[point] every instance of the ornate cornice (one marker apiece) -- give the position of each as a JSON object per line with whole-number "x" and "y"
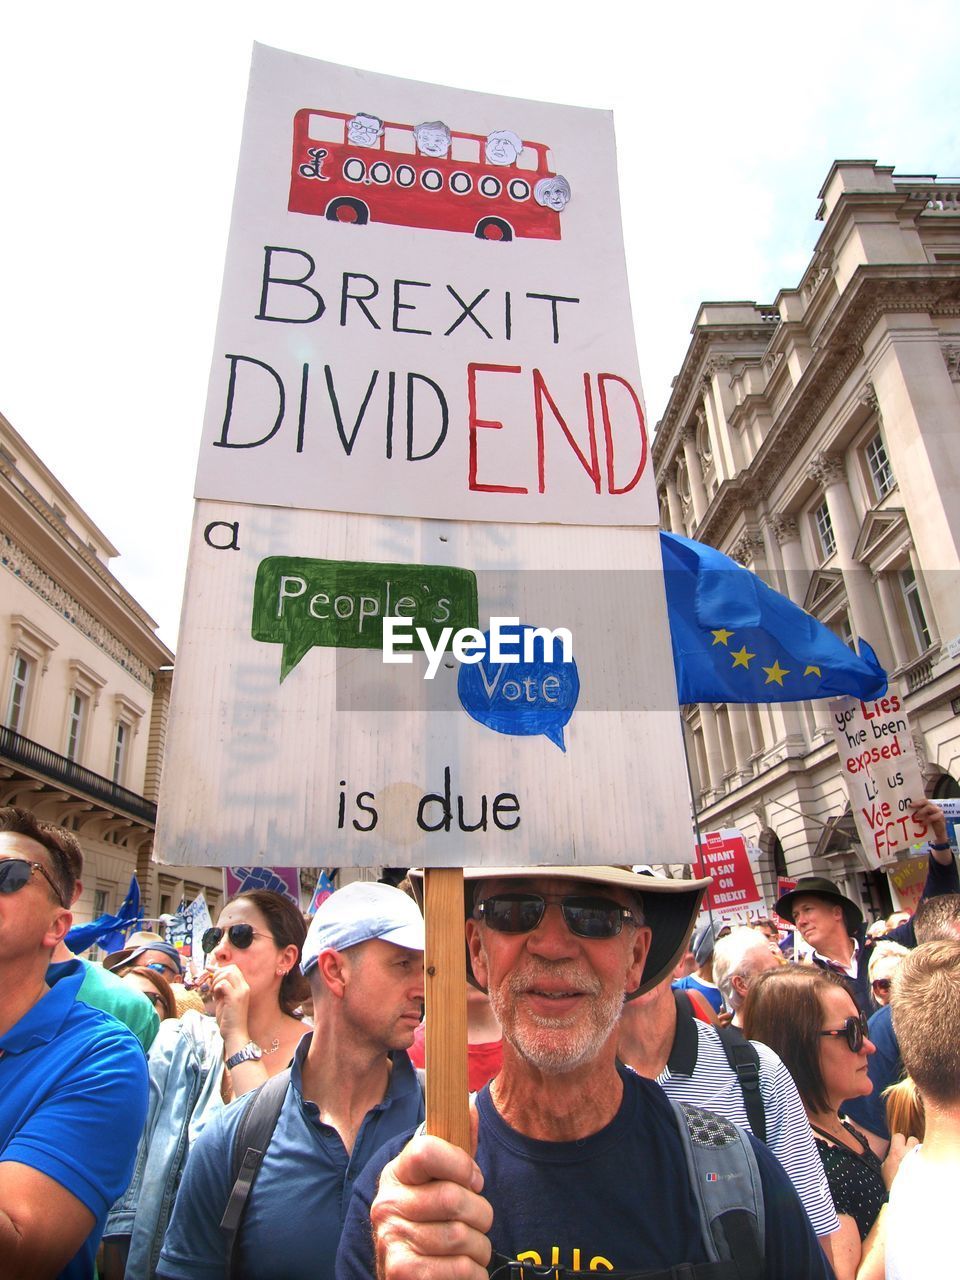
{"x": 785, "y": 529}
{"x": 747, "y": 547}
{"x": 871, "y": 293}
{"x": 827, "y": 469}
{"x": 22, "y": 565}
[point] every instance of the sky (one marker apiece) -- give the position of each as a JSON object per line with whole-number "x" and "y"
{"x": 119, "y": 133}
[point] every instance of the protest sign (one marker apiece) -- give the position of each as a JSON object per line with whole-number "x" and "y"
{"x": 283, "y": 880}
{"x": 879, "y": 766}
{"x": 784, "y": 886}
{"x": 185, "y": 931}
{"x": 424, "y": 405}
{"x": 723, "y": 857}
{"x": 908, "y": 878}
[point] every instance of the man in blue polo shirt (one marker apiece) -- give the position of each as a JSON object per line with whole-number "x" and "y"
{"x": 352, "y": 1088}
{"x": 73, "y": 1080}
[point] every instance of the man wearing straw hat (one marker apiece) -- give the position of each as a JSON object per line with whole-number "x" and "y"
{"x": 581, "y": 1166}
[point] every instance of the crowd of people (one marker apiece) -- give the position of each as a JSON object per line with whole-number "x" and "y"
{"x": 648, "y": 1097}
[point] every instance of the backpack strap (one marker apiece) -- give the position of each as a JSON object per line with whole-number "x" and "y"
{"x": 726, "y": 1187}
{"x": 249, "y": 1147}
{"x": 745, "y": 1061}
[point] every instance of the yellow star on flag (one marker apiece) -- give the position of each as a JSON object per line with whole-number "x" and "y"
{"x": 813, "y": 671}
{"x": 775, "y": 673}
{"x": 721, "y": 636}
{"x": 741, "y": 658}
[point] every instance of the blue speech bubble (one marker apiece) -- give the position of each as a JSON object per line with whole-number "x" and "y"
{"x": 522, "y": 698}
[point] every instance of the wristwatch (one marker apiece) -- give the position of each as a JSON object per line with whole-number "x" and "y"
{"x": 251, "y": 1052}
{"x": 940, "y": 848}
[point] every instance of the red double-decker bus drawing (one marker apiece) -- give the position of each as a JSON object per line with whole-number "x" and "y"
{"x": 392, "y": 182}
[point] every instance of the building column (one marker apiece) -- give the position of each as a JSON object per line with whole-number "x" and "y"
{"x": 787, "y": 722}
{"x": 674, "y": 505}
{"x": 866, "y": 619}
{"x": 711, "y": 745}
{"x": 912, "y": 376}
{"x": 698, "y": 494}
{"x": 888, "y": 603}
{"x": 797, "y": 575}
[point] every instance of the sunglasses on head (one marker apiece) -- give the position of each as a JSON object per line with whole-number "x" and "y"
{"x": 15, "y": 873}
{"x": 165, "y": 969}
{"x": 855, "y": 1031}
{"x": 240, "y": 935}
{"x": 587, "y": 917}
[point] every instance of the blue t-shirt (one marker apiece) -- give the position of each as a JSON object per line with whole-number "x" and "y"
{"x": 884, "y": 1068}
{"x": 73, "y": 1099}
{"x": 709, "y": 992}
{"x": 619, "y": 1199}
{"x": 298, "y": 1202}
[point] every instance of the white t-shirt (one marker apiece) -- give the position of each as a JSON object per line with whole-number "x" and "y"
{"x": 921, "y": 1223}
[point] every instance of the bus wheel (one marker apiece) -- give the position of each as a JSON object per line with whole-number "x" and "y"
{"x": 348, "y": 210}
{"x": 493, "y": 229}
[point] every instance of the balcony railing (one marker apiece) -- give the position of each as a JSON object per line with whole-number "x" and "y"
{"x": 56, "y": 769}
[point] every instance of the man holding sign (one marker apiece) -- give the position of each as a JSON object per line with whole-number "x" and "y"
{"x": 833, "y": 925}
{"x": 581, "y": 1165}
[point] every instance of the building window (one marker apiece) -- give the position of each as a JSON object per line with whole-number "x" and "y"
{"x": 918, "y": 619}
{"x": 828, "y": 543}
{"x": 19, "y": 689}
{"x": 121, "y": 738}
{"x": 75, "y": 724}
{"x": 842, "y": 628}
{"x": 880, "y": 470}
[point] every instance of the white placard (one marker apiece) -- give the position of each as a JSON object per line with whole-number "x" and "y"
{"x": 881, "y": 773}
{"x": 407, "y": 417}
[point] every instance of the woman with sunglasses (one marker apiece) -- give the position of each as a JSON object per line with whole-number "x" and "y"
{"x": 885, "y": 960}
{"x": 198, "y": 1063}
{"x": 253, "y": 975}
{"x": 808, "y": 1016}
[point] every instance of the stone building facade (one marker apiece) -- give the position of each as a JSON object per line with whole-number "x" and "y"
{"x": 816, "y": 440}
{"x": 84, "y": 691}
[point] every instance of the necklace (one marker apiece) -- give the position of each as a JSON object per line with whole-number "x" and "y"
{"x": 274, "y": 1046}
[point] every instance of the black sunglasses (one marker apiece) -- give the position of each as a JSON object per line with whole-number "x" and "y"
{"x": 240, "y": 935}
{"x": 522, "y": 912}
{"x": 881, "y": 984}
{"x": 855, "y": 1030}
{"x": 16, "y": 872}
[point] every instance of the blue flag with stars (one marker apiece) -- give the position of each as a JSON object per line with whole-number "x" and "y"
{"x": 737, "y": 640}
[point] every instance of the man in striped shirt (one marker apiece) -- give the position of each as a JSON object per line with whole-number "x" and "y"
{"x": 662, "y": 1040}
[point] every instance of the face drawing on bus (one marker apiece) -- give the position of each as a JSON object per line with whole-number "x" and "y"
{"x": 553, "y": 193}
{"x": 364, "y": 130}
{"x": 433, "y": 138}
{"x": 503, "y": 146}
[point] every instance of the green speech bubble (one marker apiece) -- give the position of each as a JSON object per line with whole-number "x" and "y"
{"x": 341, "y": 604}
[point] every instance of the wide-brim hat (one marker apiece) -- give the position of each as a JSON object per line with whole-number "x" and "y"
{"x": 137, "y": 943}
{"x": 820, "y": 887}
{"x": 670, "y": 907}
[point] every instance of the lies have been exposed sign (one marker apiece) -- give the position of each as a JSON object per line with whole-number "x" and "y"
{"x": 424, "y": 404}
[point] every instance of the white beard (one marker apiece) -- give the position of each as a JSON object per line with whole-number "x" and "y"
{"x": 556, "y": 1044}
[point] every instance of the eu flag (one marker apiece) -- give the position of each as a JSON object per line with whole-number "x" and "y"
{"x": 109, "y": 931}
{"x": 737, "y": 640}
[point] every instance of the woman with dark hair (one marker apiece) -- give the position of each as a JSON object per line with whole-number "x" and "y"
{"x": 808, "y": 1016}
{"x": 196, "y": 1064}
{"x": 155, "y": 987}
{"x": 253, "y": 974}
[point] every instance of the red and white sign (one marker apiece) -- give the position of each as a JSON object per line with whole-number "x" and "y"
{"x": 723, "y": 857}
{"x": 784, "y": 885}
{"x": 882, "y": 776}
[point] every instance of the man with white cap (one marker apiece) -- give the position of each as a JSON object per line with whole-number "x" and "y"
{"x": 581, "y": 1165}
{"x": 351, "y": 1089}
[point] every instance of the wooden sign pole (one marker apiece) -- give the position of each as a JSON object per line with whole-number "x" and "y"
{"x": 445, "y": 984}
